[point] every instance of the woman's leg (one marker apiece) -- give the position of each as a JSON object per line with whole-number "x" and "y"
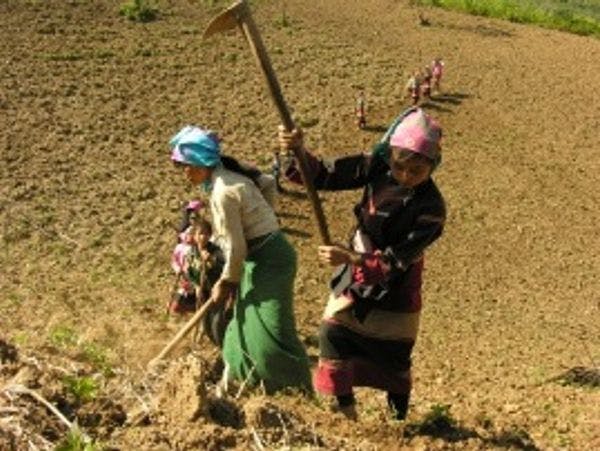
{"x": 261, "y": 342}
{"x": 345, "y": 400}
{"x": 346, "y": 404}
{"x": 398, "y": 404}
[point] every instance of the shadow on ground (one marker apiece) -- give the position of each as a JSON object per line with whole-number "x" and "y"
{"x": 454, "y": 98}
{"x": 294, "y": 194}
{"x": 376, "y": 128}
{"x": 435, "y": 106}
{"x": 289, "y": 215}
{"x": 579, "y": 375}
{"x": 445, "y": 428}
{"x": 295, "y": 232}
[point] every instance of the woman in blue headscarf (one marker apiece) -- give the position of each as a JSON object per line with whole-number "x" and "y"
{"x": 260, "y": 343}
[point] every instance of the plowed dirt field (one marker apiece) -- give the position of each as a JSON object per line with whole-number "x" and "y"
{"x": 509, "y": 345}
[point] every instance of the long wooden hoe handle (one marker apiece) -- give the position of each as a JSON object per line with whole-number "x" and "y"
{"x": 182, "y": 333}
{"x": 240, "y": 12}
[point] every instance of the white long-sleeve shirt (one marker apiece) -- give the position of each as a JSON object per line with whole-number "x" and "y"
{"x": 240, "y": 212}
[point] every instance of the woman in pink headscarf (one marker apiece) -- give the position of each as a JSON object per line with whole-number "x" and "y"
{"x": 372, "y": 316}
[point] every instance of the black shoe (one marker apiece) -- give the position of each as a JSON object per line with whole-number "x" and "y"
{"x": 398, "y": 404}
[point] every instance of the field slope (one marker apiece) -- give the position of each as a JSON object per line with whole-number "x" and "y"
{"x": 509, "y": 345}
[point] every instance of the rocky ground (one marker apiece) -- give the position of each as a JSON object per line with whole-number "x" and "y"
{"x": 508, "y": 350}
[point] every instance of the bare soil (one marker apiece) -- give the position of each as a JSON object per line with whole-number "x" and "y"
{"x": 508, "y": 350}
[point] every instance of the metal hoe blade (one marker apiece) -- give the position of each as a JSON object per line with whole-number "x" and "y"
{"x": 227, "y": 20}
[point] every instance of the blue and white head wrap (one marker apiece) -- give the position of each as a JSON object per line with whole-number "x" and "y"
{"x": 195, "y": 146}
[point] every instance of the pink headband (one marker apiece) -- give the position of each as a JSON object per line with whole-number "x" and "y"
{"x": 419, "y": 133}
{"x": 194, "y": 205}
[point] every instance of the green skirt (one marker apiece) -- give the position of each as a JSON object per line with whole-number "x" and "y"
{"x": 261, "y": 343}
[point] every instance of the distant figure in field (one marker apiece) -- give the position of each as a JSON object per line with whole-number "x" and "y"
{"x": 423, "y": 21}
{"x": 360, "y": 110}
{"x": 426, "y": 83}
{"x": 437, "y": 69}
{"x": 413, "y": 87}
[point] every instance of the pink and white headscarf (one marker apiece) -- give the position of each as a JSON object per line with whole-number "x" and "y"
{"x": 418, "y": 133}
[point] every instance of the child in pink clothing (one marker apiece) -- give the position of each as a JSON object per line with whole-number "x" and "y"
{"x": 437, "y": 68}
{"x": 193, "y": 255}
{"x": 185, "y": 263}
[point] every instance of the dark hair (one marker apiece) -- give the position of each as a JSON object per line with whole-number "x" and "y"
{"x": 202, "y": 223}
{"x": 244, "y": 169}
{"x": 193, "y": 219}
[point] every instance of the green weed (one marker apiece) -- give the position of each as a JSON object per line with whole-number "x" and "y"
{"x": 282, "y": 21}
{"x": 575, "y": 16}
{"x": 96, "y": 355}
{"x": 138, "y": 11}
{"x": 21, "y": 338}
{"x": 63, "y": 337}
{"x": 76, "y": 441}
{"x": 84, "y": 389}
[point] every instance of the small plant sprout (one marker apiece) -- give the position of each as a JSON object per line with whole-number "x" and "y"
{"x": 21, "y": 338}
{"x": 84, "y": 389}
{"x": 63, "y": 337}
{"x": 283, "y": 20}
{"x": 440, "y": 413}
{"x": 96, "y": 355}
{"x": 75, "y": 440}
{"x": 138, "y": 11}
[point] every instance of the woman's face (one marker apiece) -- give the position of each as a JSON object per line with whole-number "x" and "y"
{"x": 409, "y": 172}
{"x": 196, "y": 175}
